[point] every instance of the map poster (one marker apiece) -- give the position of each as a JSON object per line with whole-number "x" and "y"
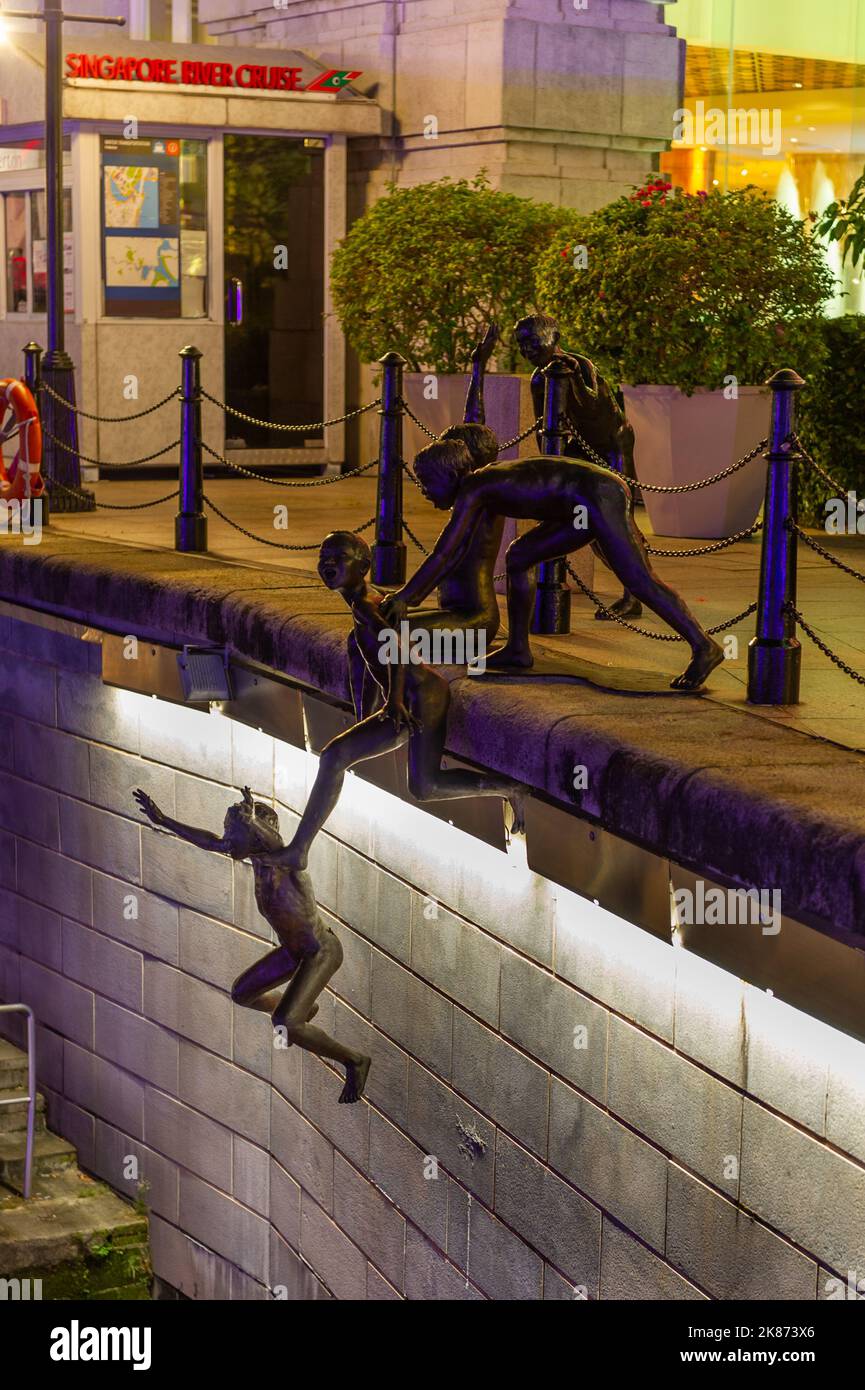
{"x": 141, "y": 227}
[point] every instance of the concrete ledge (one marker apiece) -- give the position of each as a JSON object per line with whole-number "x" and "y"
{"x": 710, "y": 787}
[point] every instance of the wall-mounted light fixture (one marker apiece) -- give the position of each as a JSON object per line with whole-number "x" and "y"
{"x": 204, "y": 674}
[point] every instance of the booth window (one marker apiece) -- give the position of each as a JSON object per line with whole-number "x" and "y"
{"x": 154, "y": 228}
{"x": 25, "y": 239}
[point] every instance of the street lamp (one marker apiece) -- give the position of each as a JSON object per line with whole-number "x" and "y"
{"x": 59, "y": 423}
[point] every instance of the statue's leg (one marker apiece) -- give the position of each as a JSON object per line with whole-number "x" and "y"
{"x": 625, "y": 551}
{"x": 298, "y": 1004}
{"x": 544, "y": 542}
{"x": 622, "y": 459}
{"x": 367, "y": 739}
{"x": 482, "y": 624}
{"x": 427, "y": 780}
{"x": 254, "y": 989}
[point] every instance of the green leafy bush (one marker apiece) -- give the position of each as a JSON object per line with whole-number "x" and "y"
{"x": 425, "y": 267}
{"x": 830, "y": 417}
{"x": 670, "y": 288}
{"x": 844, "y": 221}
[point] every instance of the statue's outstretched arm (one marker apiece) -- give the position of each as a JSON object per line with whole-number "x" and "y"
{"x": 474, "y": 413}
{"x": 204, "y": 839}
{"x": 449, "y": 549}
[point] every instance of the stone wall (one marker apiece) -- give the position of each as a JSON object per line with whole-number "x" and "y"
{"x": 568, "y": 103}
{"x": 608, "y": 1116}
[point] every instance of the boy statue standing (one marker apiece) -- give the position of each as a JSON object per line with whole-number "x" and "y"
{"x": 593, "y": 413}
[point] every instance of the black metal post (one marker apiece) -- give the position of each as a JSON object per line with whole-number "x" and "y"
{"x": 388, "y": 553}
{"x": 774, "y": 654}
{"x": 60, "y": 461}
{"x": 190, "y": 524}
{"x": 59, "y": 422}
{"x": 552, "y": 612}
{"x": 33, "y": 382}
{"x": 32, "y": 370}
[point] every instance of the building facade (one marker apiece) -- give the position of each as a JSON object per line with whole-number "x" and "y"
{"x": 250, "y": 136}
{"x": 195, "y": 165}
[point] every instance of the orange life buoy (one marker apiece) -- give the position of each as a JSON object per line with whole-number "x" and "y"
{"x": 23, "y": 478}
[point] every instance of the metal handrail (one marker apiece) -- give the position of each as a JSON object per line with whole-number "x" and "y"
{"x": 31, "y": 1088}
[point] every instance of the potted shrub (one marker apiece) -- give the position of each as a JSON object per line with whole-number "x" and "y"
{"x": 830, "y": 412}
{"x": 690, "y": 302}
{"x": 422, "y": 272}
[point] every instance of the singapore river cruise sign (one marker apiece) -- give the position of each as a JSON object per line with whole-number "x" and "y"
{"x": 260, "y": 77}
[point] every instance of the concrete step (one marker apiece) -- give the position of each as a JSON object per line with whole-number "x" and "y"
{"x": 78, "y": 1237}
{"x": 13, "y": 1118}
{"x": 51, "y": 1154}
{"x": 13, "y": 1066}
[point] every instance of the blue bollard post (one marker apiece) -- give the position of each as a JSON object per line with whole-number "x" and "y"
{"x": 389, "y": 552}
{"x": 552, "y": 612}
{"x": 774, "y": 654}
{"x": 190, "y": 524}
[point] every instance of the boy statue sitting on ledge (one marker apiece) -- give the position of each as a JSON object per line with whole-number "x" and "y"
{"x": 309, "y": 952}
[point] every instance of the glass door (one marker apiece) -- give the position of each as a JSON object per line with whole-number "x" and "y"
{"x": 274, "y": 248}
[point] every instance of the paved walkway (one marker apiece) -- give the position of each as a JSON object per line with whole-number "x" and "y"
{"x": 716, "y": 586}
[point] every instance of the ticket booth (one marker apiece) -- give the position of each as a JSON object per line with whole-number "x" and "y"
{"x": 206, "y": 189}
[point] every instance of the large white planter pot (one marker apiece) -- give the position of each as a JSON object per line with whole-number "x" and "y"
{"x": 439, "y": 401}
{"x": 680, "y": 439}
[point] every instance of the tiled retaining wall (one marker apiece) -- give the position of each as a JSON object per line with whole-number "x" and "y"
{"x": 608, "y": 1116}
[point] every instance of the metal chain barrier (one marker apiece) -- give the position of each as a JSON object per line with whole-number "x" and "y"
{"x": 289, "y": 429}
{"x": 101, "y": 463}
{"x": 815, "y": 545}
{"x": 52, "y": 483}
{"x": 809, "y": 458}
{"x": 676, "y": 487}
{"x": 827, "y": 651}
{"x": 411, "y": 475}
{"x": 420, "y": 424}
{"x": 518, "y": 438}
{"x": 506, "y": 444}
{"x": 108, "y": 419}
{"x": 279, "y": 545}
{"x": 283, "y": 482}
{"x": 644, "y": 631}
{"x": 413, "y": 538}
{"x": 709, "y": 549}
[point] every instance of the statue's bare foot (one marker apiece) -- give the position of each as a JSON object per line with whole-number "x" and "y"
{"x": 705, "y": 659}
{"x": 517, "y": 799}
{"x": 625, "y": 607}
{"x": 510, "y": 658}
{"x": 355, "y": 1080}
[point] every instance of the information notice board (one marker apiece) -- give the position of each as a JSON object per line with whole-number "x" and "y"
{"x": 141, "y": 236}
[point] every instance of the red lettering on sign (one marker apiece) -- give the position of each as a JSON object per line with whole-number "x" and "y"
{"x": 249, "y": 76}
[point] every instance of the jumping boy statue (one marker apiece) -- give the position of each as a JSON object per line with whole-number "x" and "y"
{"x": 287, "y": 981}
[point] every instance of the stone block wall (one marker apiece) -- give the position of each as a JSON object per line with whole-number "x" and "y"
{"x": 565, "y": 102}
{"x": 559, "y": 1106}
